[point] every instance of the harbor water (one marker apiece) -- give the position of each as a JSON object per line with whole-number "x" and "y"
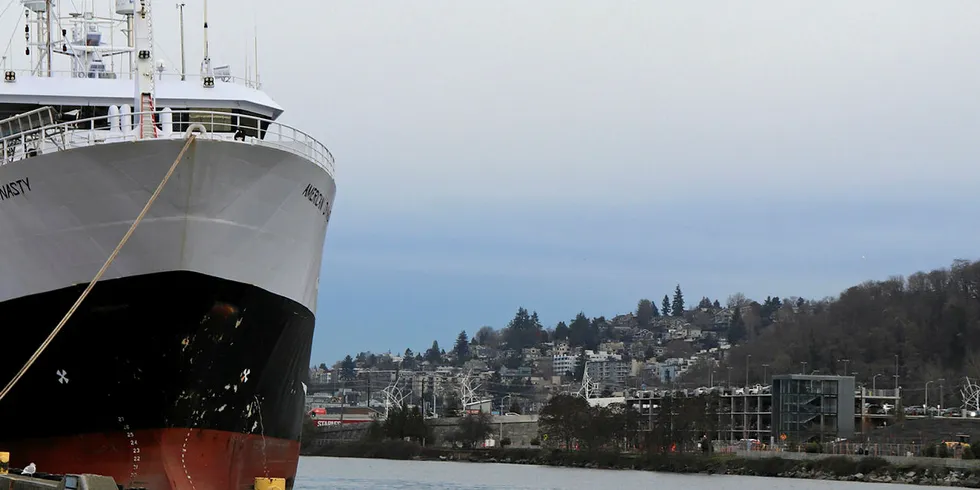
{"x": 356, "y": 474}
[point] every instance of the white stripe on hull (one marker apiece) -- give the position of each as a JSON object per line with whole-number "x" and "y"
{"x": 241, "y": 212}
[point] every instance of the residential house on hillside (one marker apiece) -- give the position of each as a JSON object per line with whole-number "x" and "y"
{"x": 480, "y": 351}
{"x": 530, "y": 354}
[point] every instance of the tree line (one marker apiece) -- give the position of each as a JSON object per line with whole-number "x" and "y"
{"x": 906, "y": 330}
{"x": 679, "y": 424}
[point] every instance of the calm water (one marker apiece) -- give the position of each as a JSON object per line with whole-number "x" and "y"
{"x": 344, "y": 473}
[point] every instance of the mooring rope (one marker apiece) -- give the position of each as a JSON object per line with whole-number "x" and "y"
{"x": 191, "y": 138}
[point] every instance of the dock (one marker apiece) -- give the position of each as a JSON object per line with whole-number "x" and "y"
{"x": 13, "y": 481}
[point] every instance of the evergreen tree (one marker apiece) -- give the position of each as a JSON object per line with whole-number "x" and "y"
{"x": 523, "y": 331}
{"x": 462, "y": 347}
{"x": 677, "y": 306}
{"x": 434, "y": 354}
{"x": 561, "y": 331}
{"x": 665, "y": 306}
{"x": 347, "y": 368}
{"x": 736, "y": 329}
{"x": 645, "y": 311}
{"x": 581, "y": 333}
{"x": 717, "y": 304}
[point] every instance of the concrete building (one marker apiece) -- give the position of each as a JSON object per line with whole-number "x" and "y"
{"x": 564, "y": 363}
{"x": 812, "y": 408}
{"x": 803, "y": 405}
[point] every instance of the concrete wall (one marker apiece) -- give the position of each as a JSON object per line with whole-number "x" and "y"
{"x": 521, "y": 429}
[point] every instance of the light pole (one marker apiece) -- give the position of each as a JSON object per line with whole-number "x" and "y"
{"x": 729, "y": 386}
{"x": 502, "y": 417}
{"x": 765, "y": 374}
{"x": 873, "y": 379}
{"x": 804, "y": 367}
{"x": 896, "y": 374}
{"x": 845, "y": 361}
{"x": 942, "y": 381}
{"x": 926, "y": 404}
{"x": 747, "y": 358}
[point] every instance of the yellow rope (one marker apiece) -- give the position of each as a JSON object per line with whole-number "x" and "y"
{"x": 105, "y": 266}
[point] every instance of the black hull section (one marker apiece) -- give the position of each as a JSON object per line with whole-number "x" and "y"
{"x": 159, "y": 351}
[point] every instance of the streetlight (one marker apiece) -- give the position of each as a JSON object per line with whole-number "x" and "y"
{"x": 941, "y": 382}
{"x": 845, "y": 361}
{"x": 873, "y": 379}
{"x": 896, "y": 374}
{"x": 804, "y": 367}
{"x": 765, "y": 374}
{"x": 747, "y": 357}
{"x": 926, "y": 404}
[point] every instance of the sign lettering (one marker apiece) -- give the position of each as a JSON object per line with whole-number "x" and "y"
{"x": 19, "y": 187}
{"x": 319, "y": 201}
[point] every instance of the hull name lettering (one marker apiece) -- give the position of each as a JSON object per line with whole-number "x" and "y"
{"x": 317, "y": 198}
{"x": 12, "y": 189}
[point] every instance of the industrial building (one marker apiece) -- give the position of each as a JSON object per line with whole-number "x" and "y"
{"x": 795, "y": 408}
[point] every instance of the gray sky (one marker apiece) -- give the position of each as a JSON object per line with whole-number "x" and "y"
{"x": 570, "y": 155}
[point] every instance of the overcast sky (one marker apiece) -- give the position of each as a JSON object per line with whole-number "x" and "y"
{"x": 571, "y": 155}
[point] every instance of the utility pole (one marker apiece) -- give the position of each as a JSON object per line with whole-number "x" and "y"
{"x": 747, "y": 358}
{"x": 942, "y": 381}
{"x": 926, "y": 403}
{"x": 896, "y": 374}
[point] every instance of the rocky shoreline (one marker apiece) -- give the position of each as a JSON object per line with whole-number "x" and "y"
{"x": 838, "y": 468}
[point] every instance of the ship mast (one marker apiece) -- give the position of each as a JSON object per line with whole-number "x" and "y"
{"x": 145, "y": 86}
{"x": 47, "y": 18}
{"x": 183, "y": 63}
{"x": 207, "y": 73}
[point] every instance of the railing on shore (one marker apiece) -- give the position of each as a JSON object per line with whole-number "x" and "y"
{"x": 49, "y": 138}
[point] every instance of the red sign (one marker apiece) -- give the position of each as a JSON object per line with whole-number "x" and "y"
{"x": 328, "y": 423}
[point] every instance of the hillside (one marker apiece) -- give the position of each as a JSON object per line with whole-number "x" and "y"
{"x": 926, "y": 326}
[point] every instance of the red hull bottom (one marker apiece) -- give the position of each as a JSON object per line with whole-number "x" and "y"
{"x": 164, "y": 459}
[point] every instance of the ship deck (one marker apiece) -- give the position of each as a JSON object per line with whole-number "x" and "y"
{"x": 29, "y": 135}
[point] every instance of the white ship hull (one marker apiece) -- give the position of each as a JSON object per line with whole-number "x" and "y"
{"x": 235, "y": 211}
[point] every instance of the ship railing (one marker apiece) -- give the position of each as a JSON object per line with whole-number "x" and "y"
{"x": 222, "y": 126}
{"x": 219, "y": 77}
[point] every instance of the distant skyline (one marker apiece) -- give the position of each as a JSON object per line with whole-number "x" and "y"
{"x": 580, "y": 155}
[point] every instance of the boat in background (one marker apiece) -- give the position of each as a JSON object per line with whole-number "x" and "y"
{"x": 184, "y": 367}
